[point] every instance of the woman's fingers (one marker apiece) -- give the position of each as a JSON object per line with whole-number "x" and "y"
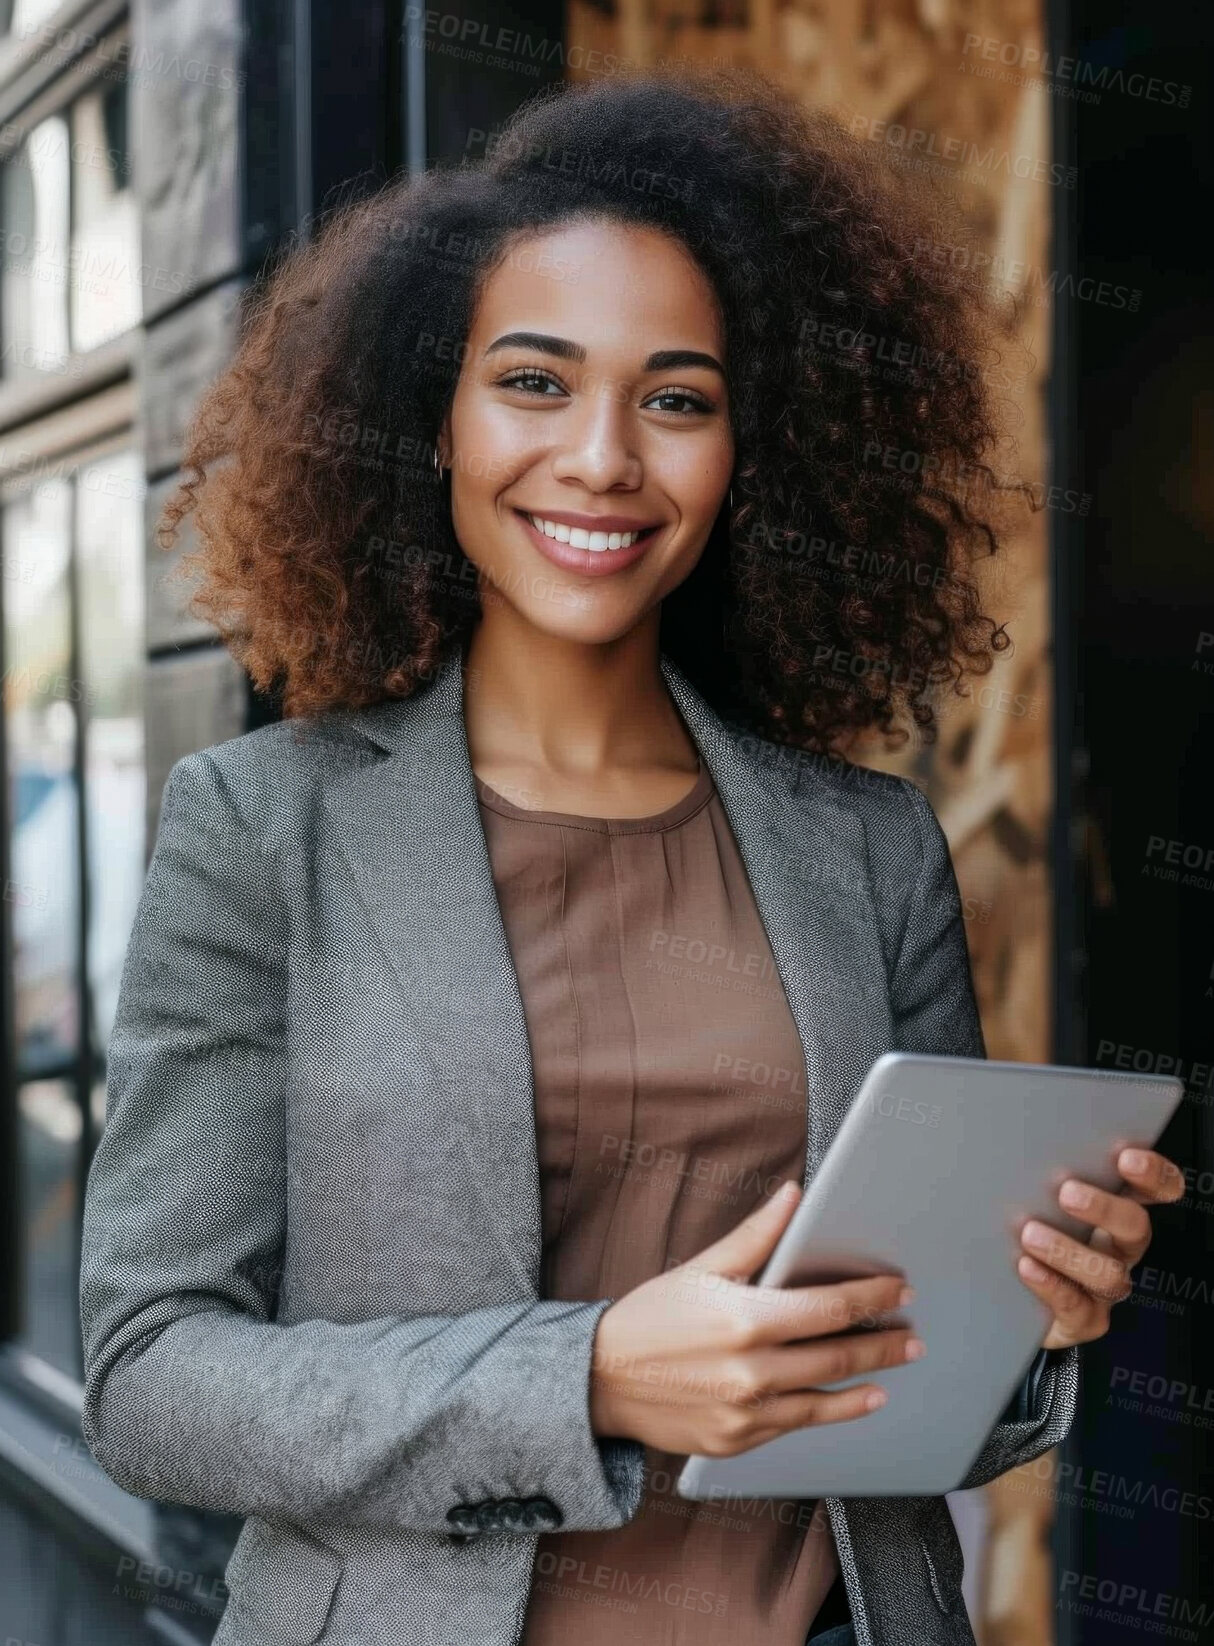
{"x": 770, "y": 1391}
{"x": 1126, "y": 1221}
{"x": 1152, "y": 1175}
{"x": 781, "y": 1314}
{"x": 784, "y": 1413}
{"x": 1077, "y": 1316}
{"x": 1100, "y": 1273}
{"x": 803, "y": 1367}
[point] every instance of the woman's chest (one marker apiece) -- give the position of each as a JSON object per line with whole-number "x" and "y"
{"x": 438, "y": 1034}
{"x": 668, "y": 1071}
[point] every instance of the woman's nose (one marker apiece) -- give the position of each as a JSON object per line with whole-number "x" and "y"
{"x": 596, "y": 444}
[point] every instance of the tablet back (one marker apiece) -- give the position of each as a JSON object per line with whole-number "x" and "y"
{"x": 934, "y": 1168}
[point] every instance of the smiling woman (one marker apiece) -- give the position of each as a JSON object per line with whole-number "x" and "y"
{"x": 682, "y": 290}
{"x": 583, "y": 403}
{"x": 591, "y": 449}
{"x": 479, "y": 1018}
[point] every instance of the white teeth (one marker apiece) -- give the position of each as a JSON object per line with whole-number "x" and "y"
{"x": 577, "y": 538}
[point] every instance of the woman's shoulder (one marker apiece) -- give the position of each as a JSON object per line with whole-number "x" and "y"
{"x": 828, "y": 780}
{"x": 266, "y": 775}
{"x": 902, "y": 837}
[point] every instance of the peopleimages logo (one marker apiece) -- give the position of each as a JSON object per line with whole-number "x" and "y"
{"x": 919, "y": 144}
{"x": 915, "y": 1110}
{"x": 1182, "y": 862}
{"x": 1134, "y": 1598}
{"x": 1029, "y": 279}
{"x": 1172, "y": 1398}
{"x": 1016, "y": 54}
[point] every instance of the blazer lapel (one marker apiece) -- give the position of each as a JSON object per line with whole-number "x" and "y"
{"x": 409, "y": 828}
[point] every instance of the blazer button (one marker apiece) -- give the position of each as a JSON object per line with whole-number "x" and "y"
{"x": 488, "y": 1515}
{"x": 541, "y": 1515}
{"x": 463, "y": 1520}
{"x": 510, "y": 1514}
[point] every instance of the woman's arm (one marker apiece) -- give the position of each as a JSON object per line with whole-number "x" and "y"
{"x": 192, "y": 1393}
{"x": 935, "y": 1011}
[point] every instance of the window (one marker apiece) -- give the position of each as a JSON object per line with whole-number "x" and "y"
{"x": 71, "y": 544}
{"x": 23, "y": 16}
{"x": 69, "y": 278}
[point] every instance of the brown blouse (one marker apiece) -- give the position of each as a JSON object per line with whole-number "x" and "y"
{"x": 669, "y": 1097}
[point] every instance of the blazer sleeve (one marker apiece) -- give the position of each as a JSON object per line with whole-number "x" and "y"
{"x": 193, "y": 1393}
{"x": 935, "y": 1011}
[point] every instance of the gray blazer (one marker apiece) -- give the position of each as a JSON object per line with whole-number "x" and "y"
{"x": 309, "y": 1288}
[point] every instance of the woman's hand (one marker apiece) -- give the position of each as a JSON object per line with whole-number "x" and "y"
{"x": 1081, "y": 1282}
{"x": 697, "y": 1361}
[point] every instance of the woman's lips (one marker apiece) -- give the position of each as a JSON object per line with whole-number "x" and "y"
{"x": 589, "y": 562}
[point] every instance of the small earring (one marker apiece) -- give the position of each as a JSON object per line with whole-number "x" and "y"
{"x": 731, "y": 500}
{"x": 438, "y": 468}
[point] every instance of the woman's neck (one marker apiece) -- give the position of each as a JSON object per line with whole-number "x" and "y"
{"x": 574, "y": 726}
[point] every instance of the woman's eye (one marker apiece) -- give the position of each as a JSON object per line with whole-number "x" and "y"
{"x": 530, "y": 382}
{"x": 694, "y": 402}
{"x": 538, "y": 384}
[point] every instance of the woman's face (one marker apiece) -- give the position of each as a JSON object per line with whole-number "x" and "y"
{"x": 591, "y": 397}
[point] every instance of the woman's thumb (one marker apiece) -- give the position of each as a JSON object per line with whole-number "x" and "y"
{"x": 748, "y": 1246}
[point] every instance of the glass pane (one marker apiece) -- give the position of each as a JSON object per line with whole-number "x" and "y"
{"x": 40, "y": 708}
{"x": 28, "y": 14}
{"x": 33, "y": 286}
{"x": 97, "y": 1102}
{"x": 105, "y": 225}
{"x": 109, "y": 561}
{"x": 49, "y": 1122}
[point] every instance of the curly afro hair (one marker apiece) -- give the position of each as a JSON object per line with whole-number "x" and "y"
{"x": 834, "y": 597}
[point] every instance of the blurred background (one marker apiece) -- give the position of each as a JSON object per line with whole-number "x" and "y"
{"x": 151, "y": 156}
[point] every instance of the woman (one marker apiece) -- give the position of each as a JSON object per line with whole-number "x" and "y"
{"x": 476, "y": 1012}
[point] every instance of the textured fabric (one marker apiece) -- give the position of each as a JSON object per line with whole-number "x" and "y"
{"x": 669, "y": 1101}
{"x": 842, "y": 1635}
{"x": 312, "y": 1233}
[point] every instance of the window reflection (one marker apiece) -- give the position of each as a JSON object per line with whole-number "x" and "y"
{"x": 49, "y": 1122}
{"x": 98, "y": 1099}
{"x": 110, "y": 584}
{"x": 34, "y": 203}
{"x": 23, "y": 16}
{"x": 69, "y": 279}
{"x": 105, "y": 289}
{"x": 40, "y": 709}
{"x": 73, "y": 620}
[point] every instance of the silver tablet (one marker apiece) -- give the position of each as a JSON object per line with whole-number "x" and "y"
{"x": 932, "y": 1171}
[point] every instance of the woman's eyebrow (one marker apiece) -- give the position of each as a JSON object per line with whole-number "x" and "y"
{"x": 564, "y": 349}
